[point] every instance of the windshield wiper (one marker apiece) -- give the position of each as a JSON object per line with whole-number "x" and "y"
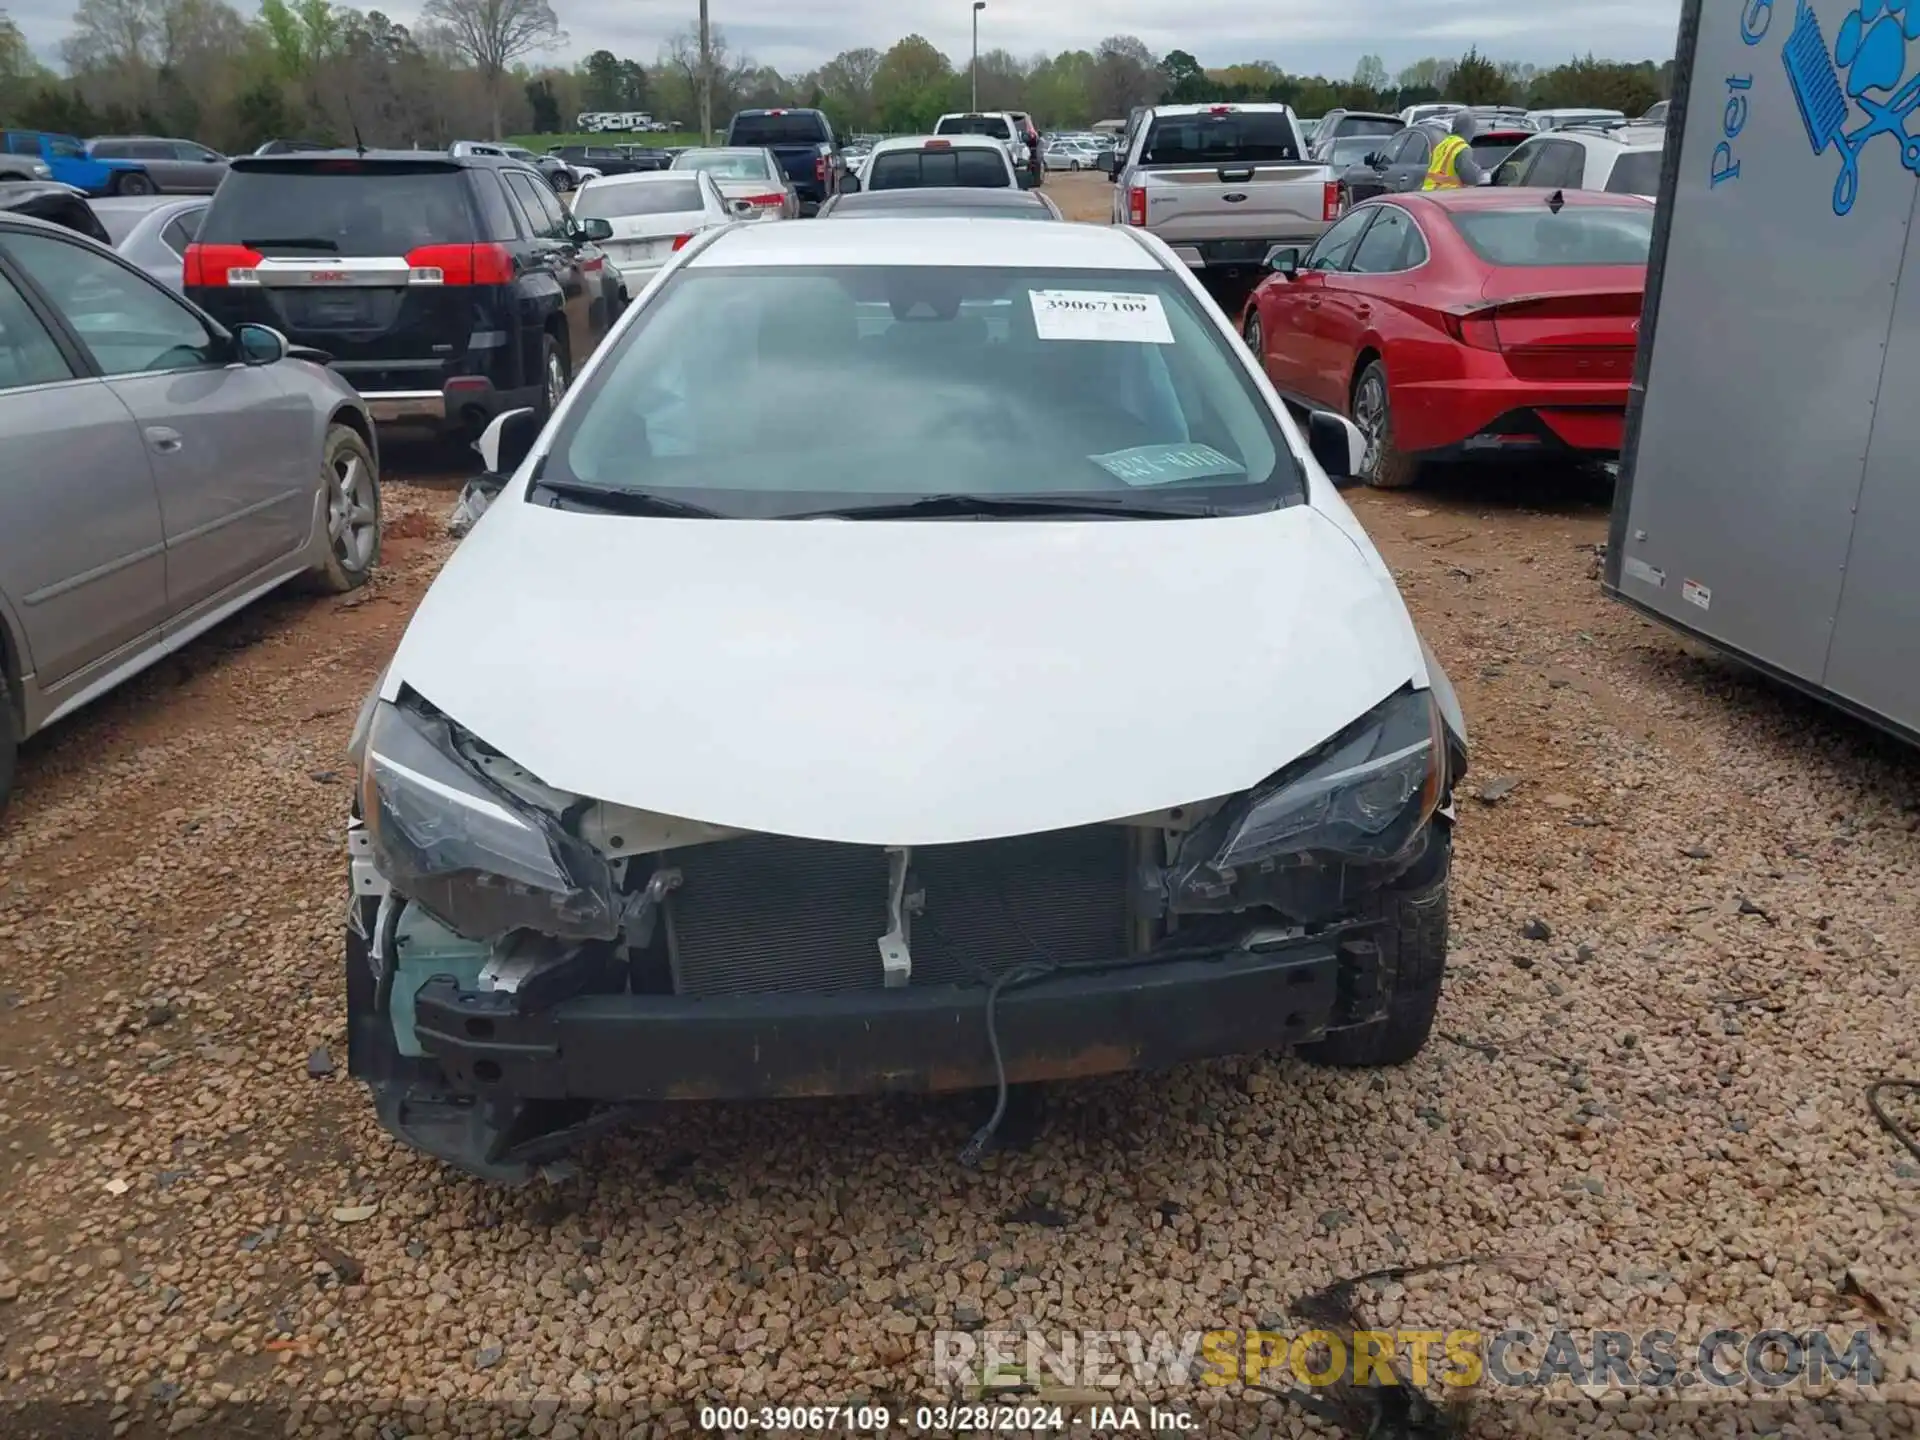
{"x": 624, "y": 502}
{"x": 937, "y": 505}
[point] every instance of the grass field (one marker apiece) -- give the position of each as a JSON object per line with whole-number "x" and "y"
{"x": 540, "y": 144}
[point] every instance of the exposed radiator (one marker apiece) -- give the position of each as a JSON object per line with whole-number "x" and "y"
{"x": 766, "y": 913}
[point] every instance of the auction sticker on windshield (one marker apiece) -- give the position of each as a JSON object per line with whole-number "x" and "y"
{"x": 1100, "y": 315}
{"x": 1163, "y": 464}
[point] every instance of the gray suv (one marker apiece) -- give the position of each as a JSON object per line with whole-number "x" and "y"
{"x": 173, "y": 165}
{"x": 161, "y": 472}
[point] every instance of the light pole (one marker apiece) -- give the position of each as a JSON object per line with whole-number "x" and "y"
{"x": 706, "y": 78}
{"x": 978, "y": 6}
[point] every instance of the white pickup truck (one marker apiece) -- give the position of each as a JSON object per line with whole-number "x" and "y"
{"x": 1222, "y": 184}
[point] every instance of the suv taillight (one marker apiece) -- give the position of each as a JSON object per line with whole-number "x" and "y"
{"x": 221, "y": 265}
{"x": 680, "y": 241}
{"x": 460, "y": 265}
{"x": 1137, "y": 205}
{"x": 820, "y": 168}
{"x": 1330, "y": 201}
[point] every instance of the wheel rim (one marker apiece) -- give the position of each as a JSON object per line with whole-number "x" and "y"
{"x": 353, "y": 515}
{"x": 1370, "y": 415}
{"x": 556, "y": 381}
{"x": 1254, "y": 338}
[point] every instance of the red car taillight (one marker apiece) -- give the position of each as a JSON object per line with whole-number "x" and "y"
{"x": 680, "y": 241}
{"x": 1137, "y": 206}
{"x": 221, "y": 265}
{"x": 820, "y": 168}
{"x": 460, "y": 265}
{"x": 1473, "y": 328}
{"x": 770, "y": 202}
{"x": 1330, "y": 201}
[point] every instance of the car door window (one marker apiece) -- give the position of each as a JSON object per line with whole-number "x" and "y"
{"x": 63, "y": 147}
{"x": 1337, "y": 244}
{"x": 181, "y": 229}
{"x": 1560, "y": 167}
{"x": 1383, "y": 249}
{"x": 1416, "y": 149}
{"x": 128, "y": 324}
{"x": 28, "y": 355}
{"x": 546, "y": 219}
{"x": 1516, "y": 167}
{"x": 495, "y": 209}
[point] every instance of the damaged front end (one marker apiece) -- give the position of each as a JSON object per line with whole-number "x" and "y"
{"x": 527, "y": 966}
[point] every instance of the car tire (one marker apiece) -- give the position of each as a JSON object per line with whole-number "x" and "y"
{"x": 1251, "y": 333}
{"x": 555, "y": 376}
{"x": 1371, "y": 407}
{"x": 132, "y": 182}
{"x": 352, "y": 482}
{"x": 1411, "y": 931}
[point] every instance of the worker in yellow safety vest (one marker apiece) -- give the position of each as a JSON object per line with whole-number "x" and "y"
{"x": 1452, "y": 165}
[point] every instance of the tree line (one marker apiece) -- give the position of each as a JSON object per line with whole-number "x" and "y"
{"x": 469, "y": 68}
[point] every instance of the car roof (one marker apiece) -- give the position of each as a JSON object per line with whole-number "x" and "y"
{"x": 1627, "y": 137}
{"x": 931, "y": 241}
{"x": 954, "y": 199}
{"x": 297, "y": 160}
{"x": 946, "y": 142}
{"x": 1509, "y": 197}
{"x": 19, "y": 192}
{"x": 644, "y": 177}
{"x": 1254, "y": 105}
{"x": 141, "y": 204}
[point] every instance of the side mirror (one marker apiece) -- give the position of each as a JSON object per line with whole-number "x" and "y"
{"x": 594, "y": 228}
{"x": 260, "y": 345}
{"x": 1284, "y": 260}
{"x": 1375, "y": 160}
{"x": 507, "y": 440}
{"x": 1338, "y": 446}
{"x": 850, "y": 182}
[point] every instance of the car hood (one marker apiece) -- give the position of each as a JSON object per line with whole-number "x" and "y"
{"x": 906, "y": 682}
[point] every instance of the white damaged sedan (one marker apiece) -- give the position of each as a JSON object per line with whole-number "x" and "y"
{"x": 1051, "y": 715}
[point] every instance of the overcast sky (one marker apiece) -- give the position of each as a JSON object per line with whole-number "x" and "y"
{"x": 1303, "y": 36}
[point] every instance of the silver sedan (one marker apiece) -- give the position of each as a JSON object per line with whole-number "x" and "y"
{"x": 746, "y": 172}
{"x": 153, "y": 231}
{"x": 161, "y": 474}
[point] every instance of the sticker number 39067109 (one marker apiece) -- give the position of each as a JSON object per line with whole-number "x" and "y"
{"x": 1100, "y": 315}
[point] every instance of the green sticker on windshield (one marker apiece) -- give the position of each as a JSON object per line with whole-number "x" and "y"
{"x": 1164, "y": 464}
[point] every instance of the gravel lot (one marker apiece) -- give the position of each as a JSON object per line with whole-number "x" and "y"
{"x": 1680, "y": 953}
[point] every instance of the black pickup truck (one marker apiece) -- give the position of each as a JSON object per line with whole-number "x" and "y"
{"x": 802, "y": 141}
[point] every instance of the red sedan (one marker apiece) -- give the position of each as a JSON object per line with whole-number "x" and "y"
{"x": 1449, "y": 324}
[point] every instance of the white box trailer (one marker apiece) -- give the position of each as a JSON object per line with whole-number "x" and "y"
{"x": 1769, "y": 492}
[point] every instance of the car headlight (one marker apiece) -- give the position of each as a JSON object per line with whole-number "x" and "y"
{"x": 42, "y": 171}
{"x": 1358, "y": 801}
{"x": 475, "y": 858}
